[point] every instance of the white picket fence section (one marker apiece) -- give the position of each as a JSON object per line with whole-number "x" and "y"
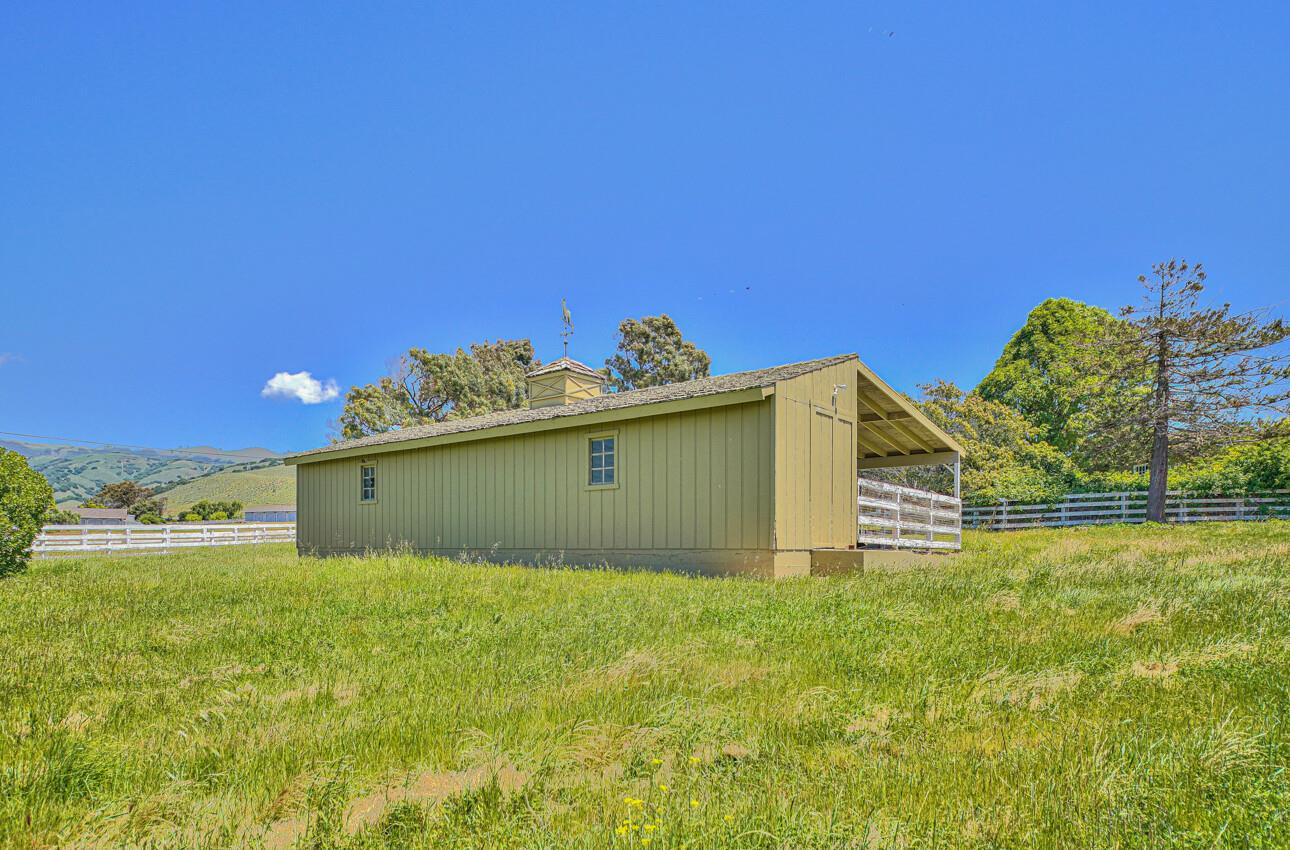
{"x": 894, "y": 516}
{"x": 78, "y": 539}
{"x": 1126, "y": 506}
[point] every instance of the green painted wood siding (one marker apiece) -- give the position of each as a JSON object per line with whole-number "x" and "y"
{"x": 701, "y": 479}
{"x": 807, "y": 453}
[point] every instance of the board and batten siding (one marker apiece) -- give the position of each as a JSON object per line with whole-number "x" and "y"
{"x": 695, "y": 480}
{"x": 815, "y": 460}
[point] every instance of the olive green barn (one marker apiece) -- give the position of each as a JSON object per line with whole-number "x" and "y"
{"x": 753, "y": 472}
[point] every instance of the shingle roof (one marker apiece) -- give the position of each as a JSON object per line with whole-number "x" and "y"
{"x": 565, "y": 363}
{"x": 697, "y": 388}
{"x": 101, "y": 513}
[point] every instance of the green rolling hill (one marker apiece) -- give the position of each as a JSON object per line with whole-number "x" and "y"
{"x": 76, "y": 472}
{"x": 265, "y": 482}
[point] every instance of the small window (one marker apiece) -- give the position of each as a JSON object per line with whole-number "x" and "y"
{"x": 603, "y": 465}
{"x": 367, "y": 483}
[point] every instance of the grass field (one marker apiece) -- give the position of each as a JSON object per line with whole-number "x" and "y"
{"x": 1101, "y": 687}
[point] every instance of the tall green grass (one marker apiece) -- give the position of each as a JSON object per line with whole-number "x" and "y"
{"x": 1108, "y": 687}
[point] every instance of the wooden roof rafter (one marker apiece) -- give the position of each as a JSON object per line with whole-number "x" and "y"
{"x": 899, "y": 427}
{"x": 876, "y": 431}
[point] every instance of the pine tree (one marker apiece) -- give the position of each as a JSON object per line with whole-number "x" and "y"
{"x": 652, "y": 352}
{"x": 1212, "y": 372}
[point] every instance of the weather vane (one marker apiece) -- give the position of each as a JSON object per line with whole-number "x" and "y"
{"x": 568, "y": 325}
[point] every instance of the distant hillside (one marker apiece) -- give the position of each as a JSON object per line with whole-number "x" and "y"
{"x": 265, "y": 482}
{"x": 76, "y": 473}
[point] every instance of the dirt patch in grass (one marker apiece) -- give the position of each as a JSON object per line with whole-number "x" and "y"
{"x": 1033, "y": 691}
{"x": 430, "y": 787}
{"x": 634, "y": 667}
{"x": 1005, "y": 600}
{"x": 735, "y": 751}
{"x": 367, "y": 811}
{"x": 738, "y": 673}
{"x": 343, "y": 694}
{"x": 1145, "y": 615}
{"x": 1212, "y": 654}
{"x": 1155, "y": 669}
{"x": 76, "y": 722}
{"x": 876, "y": 721}
{"x": 285, "y": 833}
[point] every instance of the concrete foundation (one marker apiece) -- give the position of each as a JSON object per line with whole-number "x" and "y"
{"x": 826, "y": 562}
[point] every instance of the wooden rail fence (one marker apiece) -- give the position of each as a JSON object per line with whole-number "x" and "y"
{"x": 76, "y": 539}
{"x": 894, "y": 516}
{"x": 1126, "y": 506}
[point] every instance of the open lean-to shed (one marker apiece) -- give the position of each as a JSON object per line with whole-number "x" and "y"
{"x": 752, "y": 472}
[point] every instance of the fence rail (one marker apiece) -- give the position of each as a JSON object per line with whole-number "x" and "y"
{"x": 890, "y": 515}
{"x": 1126, "y": 506}
{"x": 75, "y": 539}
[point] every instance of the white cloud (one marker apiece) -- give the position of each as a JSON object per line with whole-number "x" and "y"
{"x": 301, "y": 386}
{"x": 7, "y": 357}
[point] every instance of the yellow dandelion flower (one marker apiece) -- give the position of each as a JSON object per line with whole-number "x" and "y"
{"x": 655, "y": 761}
{"x": 730, "y": 818}
{"x": 695, "y": 759}
{"x": 694, "y": 804}
{"x": 649, "y": 827}
{"x": 662, "y": 786}
{"x": 645, "y": 842}
{"x": 622, "y": 830}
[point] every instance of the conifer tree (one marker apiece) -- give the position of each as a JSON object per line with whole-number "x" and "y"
{"x": 1213, "y": 373}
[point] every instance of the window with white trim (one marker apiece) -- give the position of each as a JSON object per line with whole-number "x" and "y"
{"x": 603, "y": 464}
{"x": 367, "y": 483}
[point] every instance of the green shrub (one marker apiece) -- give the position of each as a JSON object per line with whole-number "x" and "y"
{"x": 192, "y": 517}
{"x": 207, "y": 508}
{"x": 151, "y": 505}
{"x": 57, "y": 516}
{"x": 218, "y": 515}
{"x": 1243, "y": 468}
{"x": 150, "y": 519}
{"x": 25, "y": 500}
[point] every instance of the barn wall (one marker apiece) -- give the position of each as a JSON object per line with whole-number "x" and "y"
{"x": 697, "y": 480}
{"x": 815, "y": 460}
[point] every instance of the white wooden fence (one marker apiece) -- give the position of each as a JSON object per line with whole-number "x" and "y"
{"x": 76, "y": 539}
{"x": 890, "y": 515}
{"x": 1108, "y": 508}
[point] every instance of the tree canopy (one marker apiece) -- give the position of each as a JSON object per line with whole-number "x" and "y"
{"x": 25, "y": 500}
{"x": 1044, "y": 373}
{"x": 134, "y": 497}
{"x": 429, "y": 387}
{"x": 1006, "y": 456}
{"x": 652, "y": 352}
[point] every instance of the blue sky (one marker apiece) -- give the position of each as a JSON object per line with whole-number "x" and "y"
{"x": 195, "y": 198}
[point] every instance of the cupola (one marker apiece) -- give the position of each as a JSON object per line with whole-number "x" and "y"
{"x": 563, "y": 381}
